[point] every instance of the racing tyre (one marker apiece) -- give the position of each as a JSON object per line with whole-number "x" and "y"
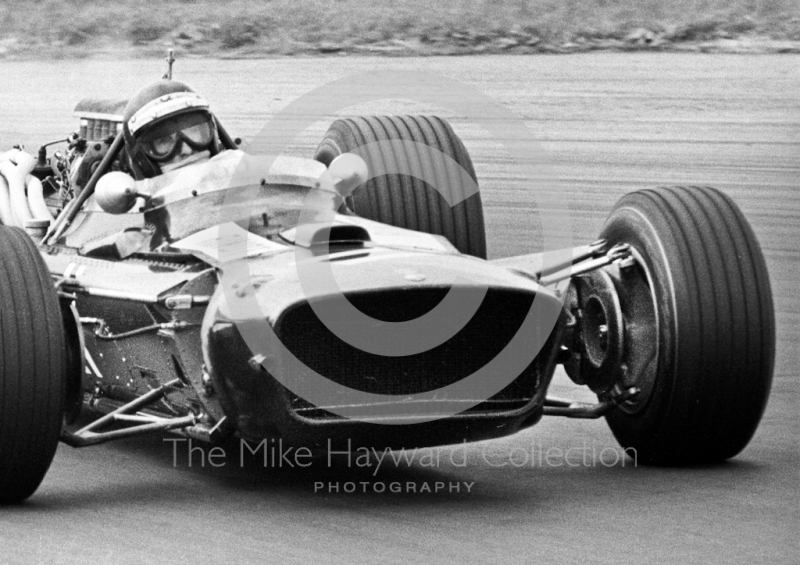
{"x": 32, "y": 372}
{"x": 404, "y": 200}
{"x": 708, "y": 373}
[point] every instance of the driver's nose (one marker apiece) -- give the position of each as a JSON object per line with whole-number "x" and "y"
{"x": 185, "y": 149}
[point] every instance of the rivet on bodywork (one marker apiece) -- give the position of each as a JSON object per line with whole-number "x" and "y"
{"x": 256, "y": 361}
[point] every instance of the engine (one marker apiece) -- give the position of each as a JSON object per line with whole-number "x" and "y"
{"x": 34, "y": 190}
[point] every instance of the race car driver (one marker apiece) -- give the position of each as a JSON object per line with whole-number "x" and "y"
{"x": 166, "y": 126}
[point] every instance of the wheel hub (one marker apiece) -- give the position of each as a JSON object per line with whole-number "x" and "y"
{"x": 613, "y": 338}
{"x": 598, "y": 332}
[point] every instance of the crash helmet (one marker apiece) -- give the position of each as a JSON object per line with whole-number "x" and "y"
{"x": 159, "y": 120}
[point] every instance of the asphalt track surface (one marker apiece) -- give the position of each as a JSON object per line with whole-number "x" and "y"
{"x": 609, "y": 124}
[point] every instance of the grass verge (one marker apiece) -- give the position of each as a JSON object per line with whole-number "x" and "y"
{"x": 240, "y": 28}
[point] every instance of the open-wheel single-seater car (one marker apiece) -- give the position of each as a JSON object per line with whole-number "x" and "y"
{"x": 204, "y": 301}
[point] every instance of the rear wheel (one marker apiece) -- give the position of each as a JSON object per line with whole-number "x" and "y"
{"x": 32, "y": 371}
{"x": 707, "y": 377}
{"x": 404, "y": 200}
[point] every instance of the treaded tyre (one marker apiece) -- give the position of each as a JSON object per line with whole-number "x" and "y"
{"x": 707, "y": 385}
{"x": 403, "y": 200}
{"x": 32, "y": 357}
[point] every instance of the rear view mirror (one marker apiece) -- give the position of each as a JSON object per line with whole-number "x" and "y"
{"x": 116, "y": 192}
{"x": 348, "y": 171}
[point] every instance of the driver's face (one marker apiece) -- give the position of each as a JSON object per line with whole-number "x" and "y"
{"x": 178, "y": 141}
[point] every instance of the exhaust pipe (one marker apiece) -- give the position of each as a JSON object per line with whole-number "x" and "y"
{"x": 6, "y": 215}
{"x": 36, "y": 201}
{"x": 16, "y": 170}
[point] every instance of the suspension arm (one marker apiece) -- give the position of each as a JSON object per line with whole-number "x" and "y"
{"x": 92, "y": 434}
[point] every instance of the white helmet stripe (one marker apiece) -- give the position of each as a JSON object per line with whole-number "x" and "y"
{"x": 164, "y": 106}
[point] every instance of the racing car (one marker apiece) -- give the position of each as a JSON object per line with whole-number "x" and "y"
{"x": 343, "y": 298}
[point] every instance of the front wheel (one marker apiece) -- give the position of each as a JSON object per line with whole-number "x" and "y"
{"x": 705, "y": 388}
{"x": 32, "y": 367}
{"x": 402, "y": 198}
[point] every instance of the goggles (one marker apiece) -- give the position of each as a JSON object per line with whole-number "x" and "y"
{"x": 163, "y": 141}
